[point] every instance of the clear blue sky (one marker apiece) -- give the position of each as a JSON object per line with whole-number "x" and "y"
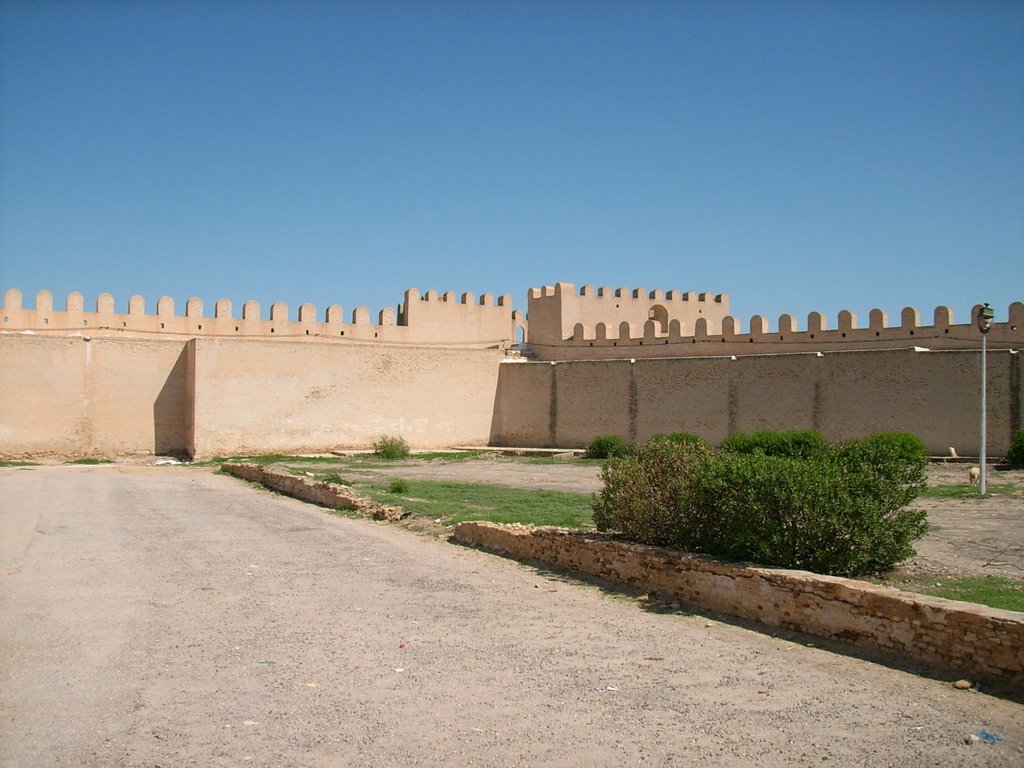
{"x": 798, "y": 155}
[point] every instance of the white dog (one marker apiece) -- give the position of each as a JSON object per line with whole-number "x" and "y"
{"x": 974, "y": 473}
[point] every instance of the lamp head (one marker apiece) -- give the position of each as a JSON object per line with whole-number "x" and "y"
{"x": 985, "y": 315}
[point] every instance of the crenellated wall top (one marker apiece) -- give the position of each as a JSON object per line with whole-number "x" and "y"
{"x": 676, "y": 338}
{"x": 568, "y": 290}
{"x": 427, "y": 318}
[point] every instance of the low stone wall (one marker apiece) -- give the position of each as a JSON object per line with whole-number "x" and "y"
{"x": 309, "y": 489}
{"x": 961, "y": 638}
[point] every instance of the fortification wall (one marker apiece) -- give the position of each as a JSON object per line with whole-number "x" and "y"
{"x": 84, "y": 396}
{"x": 606, "y": 338}
{"x": 843, "y": 395}
{"x": 554, "y": 311}
{"x": 273, "y": 397}
{"x": 93, "y": 397}
{"x": 426, "y": 319}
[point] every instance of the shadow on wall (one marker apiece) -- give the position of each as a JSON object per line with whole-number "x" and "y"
{"x": 172, "y": 412}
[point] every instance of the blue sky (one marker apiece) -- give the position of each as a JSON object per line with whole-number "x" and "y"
{"x": 798, "y": 155}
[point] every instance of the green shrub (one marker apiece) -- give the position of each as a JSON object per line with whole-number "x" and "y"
{"x": 398, "y": 486}
{"x": 683, "y": 437}
{"x": 793, "y": 444}
{"x": 645, "y": 496}
{"x": 1015, "y": 456}
{"x": 608, "y": 447}
{"x": 840, "y": 512}
{"x": 391, "y": 448}
{"x": 904, "y": 444}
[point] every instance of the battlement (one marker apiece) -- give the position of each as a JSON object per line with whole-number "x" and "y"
{"x": 421, "y": 319}
{"x": 607, "y": 292}
{"x": 555, "y": 310}
{"x": 652, "y": 338}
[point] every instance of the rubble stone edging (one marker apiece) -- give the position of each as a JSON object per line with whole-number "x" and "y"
{"x": 962, "y": 638}
{"x": 312, "y": 490}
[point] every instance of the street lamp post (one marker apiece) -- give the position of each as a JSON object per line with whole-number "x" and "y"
{"x": 985, "y": 315}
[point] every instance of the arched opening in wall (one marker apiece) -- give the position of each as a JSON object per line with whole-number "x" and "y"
{"x": 659, "y": 314}
{"x": 520, "y": 334}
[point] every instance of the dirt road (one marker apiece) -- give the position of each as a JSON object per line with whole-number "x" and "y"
{"x": 167, "y": 616}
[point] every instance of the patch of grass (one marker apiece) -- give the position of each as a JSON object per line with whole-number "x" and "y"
{"x": 334, "y": 477}
{"x": 965, "y": 491}
{"x": 90, "y": 460}
{"x": 993, "y": 591}
{"x": 448, "y": 455}
{"x": 275, "y": 458}
{"x": 584, "y": 459}
{"x": 459, "y": 502}
{"x": 17, "y": 463}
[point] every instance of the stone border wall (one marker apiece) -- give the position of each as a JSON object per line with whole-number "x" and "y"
{"x": 961, "y": 638}
{"x": 308, "y": 489}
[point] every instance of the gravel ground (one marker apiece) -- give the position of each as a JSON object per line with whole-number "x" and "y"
{"x": 167, "y": 616}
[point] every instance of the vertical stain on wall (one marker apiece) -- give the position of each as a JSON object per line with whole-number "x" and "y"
{"x": 733, "y": 407}
{"x": 1014, "y": 394}
{"x": 85, "y": 431}
{"x": 633, "y": 407}
{"x": 553, "y": 412}
{"x": 816, "y": 408}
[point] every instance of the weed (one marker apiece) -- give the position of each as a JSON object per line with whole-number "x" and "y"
{"x": 334, "y": 477}
{"x": 4, "y": 463}
{"x": 391, "y": 448}
{"x": 90, "y": 460}
{"x": 607, "y": 447}
{"x": 398, "y": 486}
{"x": 352, "y": 514}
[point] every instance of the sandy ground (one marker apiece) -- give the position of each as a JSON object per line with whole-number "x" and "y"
{"x": 167, "y": 616}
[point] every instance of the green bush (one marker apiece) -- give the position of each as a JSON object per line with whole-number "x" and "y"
{"x": 683, "y": 437}
{"x": 608, "y": 447}
{"x": 645, "y": 496}
{"x": 1015, "y": 456}
{"x": 904, "y": 444}
{"x": 391, "y": 448}
{"x": 793, "y": 444}
{"x": 398, "y": 486}
{"x": 840, "y": 512}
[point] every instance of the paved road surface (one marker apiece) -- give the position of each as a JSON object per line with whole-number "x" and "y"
{"x": 167, "y": 616}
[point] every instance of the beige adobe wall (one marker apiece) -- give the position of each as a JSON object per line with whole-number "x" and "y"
{"x": 958, "y": 638}
{"x": 843, "y": 395}
{"x": 84, "y": 396}
{"x": 270, "y": 397}
{"x": 555, "y": 311}
{"x": 92, "y": 397}
{"x": 430, "y": 319}
{"x": 602, "y": 340}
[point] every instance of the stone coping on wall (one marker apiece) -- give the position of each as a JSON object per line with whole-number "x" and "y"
{"x": 960, "y": 638}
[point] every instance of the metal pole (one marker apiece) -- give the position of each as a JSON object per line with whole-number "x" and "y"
{"x": 984, "y": 352}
